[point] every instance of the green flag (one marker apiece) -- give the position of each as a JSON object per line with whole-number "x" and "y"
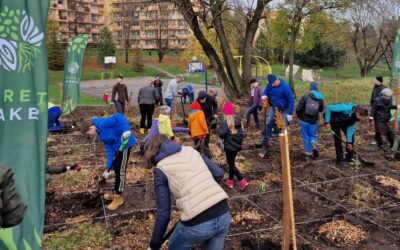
{"x": 23, "y": 113}
{"x": 396, "y": 58}
{"x": 72, "y": 73}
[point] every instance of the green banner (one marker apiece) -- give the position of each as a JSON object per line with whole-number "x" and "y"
{"x": 72, "y": 73}
{"x": 23, "y": 113}
{"x": 396, "y": 58}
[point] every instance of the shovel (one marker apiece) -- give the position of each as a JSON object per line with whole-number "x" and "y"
{"x": 184, "y": 121}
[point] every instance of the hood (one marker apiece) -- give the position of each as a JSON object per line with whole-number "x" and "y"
{"x": 163, "y": 118}
{"x": 167, "y": 148}
{"x": 194, "y": 114}
{"x": 97, "y": 121}
{"x": 316, "y": 95}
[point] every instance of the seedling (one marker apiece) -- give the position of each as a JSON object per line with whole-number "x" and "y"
{"x": 246, "y": 166}
{"x": 76, "y": 150}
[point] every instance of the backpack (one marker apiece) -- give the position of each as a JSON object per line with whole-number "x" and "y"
{"x": 312, "y": 107}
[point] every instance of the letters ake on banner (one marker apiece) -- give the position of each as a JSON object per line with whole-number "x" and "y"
{"x": 23, "y": 113}
{"x": 72, "y": 73}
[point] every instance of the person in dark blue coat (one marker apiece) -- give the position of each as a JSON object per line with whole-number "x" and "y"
{"x": 280, "y": 98}
{"x": 118, "y": 140}
{"x": 54, "y": 113}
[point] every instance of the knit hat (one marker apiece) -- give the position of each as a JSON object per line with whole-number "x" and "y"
{"x": 272, "y": 78}
{"x": 202, "y": 94}
{"x": 195, "y": 106}
{"x": 165, "y": 109}
{"x": 228, "y": 108}
{"x": 379, "y": 78}
{"x": 254, "y": 80}
{"x": 313, "y": 86}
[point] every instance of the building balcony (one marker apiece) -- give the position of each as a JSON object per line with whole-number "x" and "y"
{"x": 94, "y": 11}
{"x": 64, "y": 30}
{"x": 95, "y": 31}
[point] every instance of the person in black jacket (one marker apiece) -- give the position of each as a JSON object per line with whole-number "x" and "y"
{"x": 12, "y": 209}
{"x": 146, "y": 98}
{"x": 231, "y": 132}
{"x": 376, "y": 91}
{"x": 307, "y": 111}
{"x": 158, "y": 83}
{"x": 210, "y": 108}
{"x": 380, "y": 115}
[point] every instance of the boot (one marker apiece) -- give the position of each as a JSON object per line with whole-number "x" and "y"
{"x": 314, "y": 149}
{"x": 108, "y": 196}
{"x": 229, "y": 183}
{"x": 341, "y": 163}
{"x": 243, "y": 184}
{"x": 116, "y": 203}
{"x": 142, "y": 131}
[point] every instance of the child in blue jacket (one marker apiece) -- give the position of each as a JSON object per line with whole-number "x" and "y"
{"x": 118, "y": 140}
{"x": 307, "y": 111}
{"x": 342, "y": 117}
{"x": 280, "y": 98}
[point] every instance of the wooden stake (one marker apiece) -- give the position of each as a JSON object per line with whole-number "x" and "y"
{"x": 336, "y": 92}
{"x": 288, "y": 211}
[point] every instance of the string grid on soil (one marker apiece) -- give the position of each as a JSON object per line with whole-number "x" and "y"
{"x": 305, "y": 178}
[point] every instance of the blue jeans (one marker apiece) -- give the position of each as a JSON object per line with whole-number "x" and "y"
{"x": 270, "y": 122}
{"x": 120, "y": 107}
{"x": 253, "y": 109}
{"x": 309, "y": 134}
{"x": 170, "y": 103}
{"x": 210, "y": 234}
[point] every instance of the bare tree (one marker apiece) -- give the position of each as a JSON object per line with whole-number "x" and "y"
{"x": 209, "y": 14}
{"x": 298, "y": 10}
{"x": 373, "y": 32}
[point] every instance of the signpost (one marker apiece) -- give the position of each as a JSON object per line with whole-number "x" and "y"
{"x": 197, "y": 66}
{"x": 107, "y": 61}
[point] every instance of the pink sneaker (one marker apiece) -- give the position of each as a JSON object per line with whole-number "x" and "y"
{"x": 229, "y": 183}
{"x": 243, "y": 184}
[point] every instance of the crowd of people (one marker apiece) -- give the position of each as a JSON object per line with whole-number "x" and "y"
{"x": 191, "y": 176}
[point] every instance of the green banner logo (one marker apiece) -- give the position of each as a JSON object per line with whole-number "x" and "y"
{"x": 20, "y": 40}
{"x": 23, "y": 113}
{"x": 72, "y": 72}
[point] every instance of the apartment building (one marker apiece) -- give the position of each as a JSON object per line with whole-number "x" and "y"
{"x": 137, "y": 24}
{"x": 77, "y": 17}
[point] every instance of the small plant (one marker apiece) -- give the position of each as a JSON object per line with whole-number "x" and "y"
{"x": 76, "y": 150}
{"x": 343, "y": 233}
{"x": 355, "y": 162}
{"x": 246, "y": 166}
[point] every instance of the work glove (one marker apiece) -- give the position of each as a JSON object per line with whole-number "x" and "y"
{"x": 126, "y": 134}
{"x": 112, "y": 103}
{"x": 289, "y": 118}
{"x": 74, "y": 167}
{"x": 349, "y": 146}
{"x": 215, "y": 116}
{"x": 264, "y": 97}
{"x": 107, "y": 174}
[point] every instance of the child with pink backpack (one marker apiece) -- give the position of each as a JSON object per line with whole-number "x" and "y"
{"x": 231, "y": 132}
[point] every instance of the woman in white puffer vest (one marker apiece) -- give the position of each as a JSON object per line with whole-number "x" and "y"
{"x": 192, "y": 179}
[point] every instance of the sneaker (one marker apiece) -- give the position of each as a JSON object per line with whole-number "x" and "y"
{"x": 264, "y": 154}
{"x": 390, "y": 157}
{"x": 116, "y": 202}
{"x": 314, "y": 149}
{"x": 243, "y": 184}
{"x": 229, "y": 183}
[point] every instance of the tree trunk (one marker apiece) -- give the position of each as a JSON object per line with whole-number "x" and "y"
{"x": 188, "y": 13}
{"x": 251, "y": 29}
{"x": 292, "y": 43}
{"x": 126, "y": 56}
{"x": 231, "y": 66}
{"x": 160, "y": 56}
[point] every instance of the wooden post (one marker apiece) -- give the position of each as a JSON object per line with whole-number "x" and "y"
{"x": 288, "y": 211}
{"x": 336, "y": 93}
